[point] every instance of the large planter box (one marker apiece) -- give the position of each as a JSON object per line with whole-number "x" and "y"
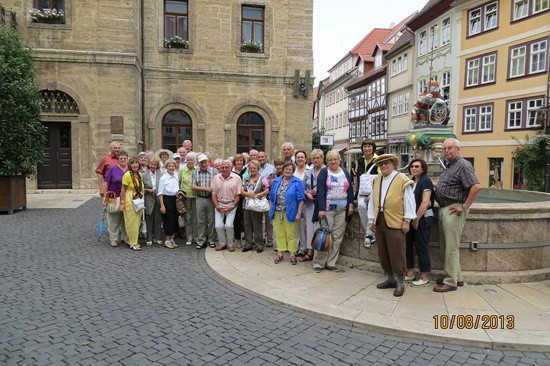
{"x": 13, "y": 194}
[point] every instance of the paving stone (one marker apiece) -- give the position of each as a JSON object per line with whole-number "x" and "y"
{"x": 82, "y": 302}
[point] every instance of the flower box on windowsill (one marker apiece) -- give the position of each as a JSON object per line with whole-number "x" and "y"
{"x": 176, "y": 42}
{"x": 48, "y": 16}
{"x": 252, "y": 47}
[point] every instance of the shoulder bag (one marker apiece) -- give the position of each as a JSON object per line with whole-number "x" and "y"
{"x": 257, "y": 204}
{"x": 113, "y": 202}
{"x": 365, "y": 182}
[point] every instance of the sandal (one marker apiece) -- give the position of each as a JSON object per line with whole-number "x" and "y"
{"x": 136, "y": 247}
{"x": 278, "y": 259}
{"x": 293, "y": 261}
{"x": 305, "y": 258}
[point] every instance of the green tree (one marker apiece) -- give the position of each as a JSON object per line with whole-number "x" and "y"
{"x": 530, "y": 157}
{"x": 22, "y": 136}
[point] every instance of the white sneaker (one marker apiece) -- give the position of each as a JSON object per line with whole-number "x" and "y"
{"x": 168, "y": 244}
{"x": 149, "y": 243}
{"x": 368, "y": 242}
{"x": 420, "y": 282}
{"x": 188, "y": 242}
{"x": 174, "y": 243}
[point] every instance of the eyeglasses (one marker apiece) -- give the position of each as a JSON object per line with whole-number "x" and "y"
{"x": 416, "y": 166}
{"x": 385, "y": 162}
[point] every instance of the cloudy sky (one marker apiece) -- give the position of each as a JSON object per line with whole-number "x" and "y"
{"x": 339, "y": 25}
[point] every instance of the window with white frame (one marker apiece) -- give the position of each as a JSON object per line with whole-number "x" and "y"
{"x": 538, "y": 57}
{"x": 470, "y": 117}
{"x": 491, "y": 16}
{"x": 514, "y": 114}
{"x": 534, "y": 112}
{"x": 534, "y": 54}
{"x": 488, "y": 68}
{"x": 378, "y": 59}
{"x": 525, "y": 113}
{"x": 446, "y": 31}
{"x": 486, "y": 118}
{"x": 472, "y": 72}
{"x": 421, "y": 85}
{"x": 517, "y": 61}
{"x": 481, "y": 70}
{"x": 433, "y": 41}
{"x": 540, "y": 6}
{"x": 422, "y": 44}
{"x": 478, "y": 118}
{"x": 483, "y": 18}
{"x": 445, "y": 85}
{"x": 523, "y": 9}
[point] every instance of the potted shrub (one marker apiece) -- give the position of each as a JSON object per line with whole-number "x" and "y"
{"x": 53, "y": 16}
{"x": 176, "y": 42}
{"x": 23, "y": 136}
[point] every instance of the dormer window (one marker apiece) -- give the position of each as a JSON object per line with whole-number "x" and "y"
{"x": 378, "y": 60}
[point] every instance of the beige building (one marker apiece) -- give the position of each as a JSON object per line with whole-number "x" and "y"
{"x": 230, "y": 75}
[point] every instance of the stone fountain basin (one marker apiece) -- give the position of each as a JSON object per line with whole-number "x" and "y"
{"x": 506, "y": 239}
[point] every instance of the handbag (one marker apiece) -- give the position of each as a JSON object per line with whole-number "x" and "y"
{"x": 139, "y": 204}
{"x": 322, "y": 238}
{"x": 365, "y": 182}
{"x": 257, "y": 204}
{"x": 113, "y": 203}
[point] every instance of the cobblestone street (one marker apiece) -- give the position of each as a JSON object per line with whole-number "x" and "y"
{"x": 66, "y": 298}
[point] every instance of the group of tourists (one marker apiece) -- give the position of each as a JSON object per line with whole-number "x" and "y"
{"x": 245, "y": 202}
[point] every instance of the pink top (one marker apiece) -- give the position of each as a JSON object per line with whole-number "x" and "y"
{"x": 226, "y": 189}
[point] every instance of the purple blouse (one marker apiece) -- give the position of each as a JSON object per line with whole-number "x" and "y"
{"x": 114, "y": 179}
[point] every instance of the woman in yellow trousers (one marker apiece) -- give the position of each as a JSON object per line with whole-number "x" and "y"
{"x": 132, "y": 188}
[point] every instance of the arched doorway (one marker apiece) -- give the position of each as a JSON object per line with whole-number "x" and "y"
{"x": 59, "y": 109}
{"x": 176, "y": 127}
{"x": 250, "y": 132}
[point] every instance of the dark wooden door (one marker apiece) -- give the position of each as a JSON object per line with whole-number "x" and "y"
{"x": 56, "y": 170}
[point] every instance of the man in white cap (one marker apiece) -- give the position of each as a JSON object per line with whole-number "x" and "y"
{"x": 390, "y": 211}
{"x": 177, "y": 159}
{"x": 201, "y": 183}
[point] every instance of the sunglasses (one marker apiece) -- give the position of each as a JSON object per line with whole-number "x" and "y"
{"x": 416, "y": 166}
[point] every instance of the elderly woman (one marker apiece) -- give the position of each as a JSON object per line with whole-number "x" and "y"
{"x": 185, "y": 175}
{"x": 132, "y": 188}
{"x": 287, "y": 202}
{"x": 113, "y": 183}
{"x": 153, "y": 217}
{"x": 241, "y": 171}
{"x": 419, "y": 234}
{"x": 300, "y": 157}
{"x": 163, "y": 155}
{"x": 310, "y": 188}
{"x": 143, "y": 162}
{"x": 334, "y": 201}
{"x": 168, "y": 189}
{"x": 254, "y": 187}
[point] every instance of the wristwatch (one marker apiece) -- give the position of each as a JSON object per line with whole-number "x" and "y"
{"x": 408, "y": 220}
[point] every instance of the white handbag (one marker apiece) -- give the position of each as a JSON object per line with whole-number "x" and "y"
{"x": 139, "y": 204}
{"x": 257, "y": 204}
{"x": 365, "y": 182}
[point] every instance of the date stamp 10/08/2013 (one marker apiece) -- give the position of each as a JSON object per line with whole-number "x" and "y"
{"x": 474, "y": 321}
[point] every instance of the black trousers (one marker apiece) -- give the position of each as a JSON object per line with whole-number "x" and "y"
{"x": 419, "y": 239}
{"x": 170, "y": 218}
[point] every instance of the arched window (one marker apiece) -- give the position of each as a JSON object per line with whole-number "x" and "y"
{"x": 250, "y": 132}
{"x": 57, "y": 102}
{"x": 176, "y": 127}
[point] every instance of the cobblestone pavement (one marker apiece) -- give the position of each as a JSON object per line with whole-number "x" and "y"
{"x": 65, "y": 298}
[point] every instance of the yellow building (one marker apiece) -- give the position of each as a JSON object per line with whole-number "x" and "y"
{"x": 503, "y": 78}
{"x": 150, "y": 74}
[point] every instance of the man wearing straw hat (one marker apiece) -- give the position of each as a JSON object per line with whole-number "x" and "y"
{"x": 391, "y": 209}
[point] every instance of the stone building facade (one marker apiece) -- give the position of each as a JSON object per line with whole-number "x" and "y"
{"x": 106, "y": 73}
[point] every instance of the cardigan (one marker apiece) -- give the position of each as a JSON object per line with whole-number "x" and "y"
{"x": 321, "y": 198}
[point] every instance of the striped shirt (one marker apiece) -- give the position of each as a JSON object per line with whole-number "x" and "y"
{"x": 202, "y": 178}
{"x": 455, "y": 182}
